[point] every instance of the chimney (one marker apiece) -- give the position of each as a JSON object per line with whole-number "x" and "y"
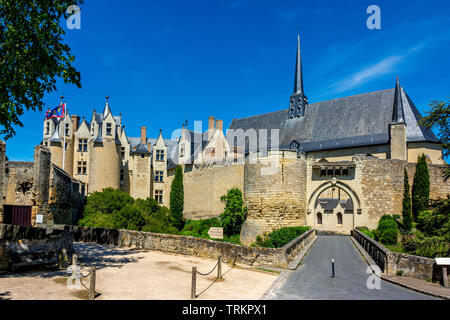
{"x": 144, "y": 135}
{"x": 211, "y": 125}
{"x": 219, "y": 125}
{"x": 75, "y": 122}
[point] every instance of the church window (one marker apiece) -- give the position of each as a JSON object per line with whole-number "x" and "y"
{"x": 82, "y": 167}
{"x": 82, "y": 145}
{"x": 159, "y": 155}
{"x": 109, "y": 129}
{"x": 159, "y": 176}
{"x": 159, "y": 196}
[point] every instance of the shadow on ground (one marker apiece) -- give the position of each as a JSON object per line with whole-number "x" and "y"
{"x": 5, "y": 295}
{"x": 89, "y": 254}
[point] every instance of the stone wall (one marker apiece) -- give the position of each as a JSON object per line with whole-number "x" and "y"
{"x": 31, "y": 247}
{"x": 205, "y": 184}
{"x": 49, "y": 190}
{"x": 274, "y": 193}
{"x": 279, "y": 257}
{"x": 18, "y": 183}
{"x": 66, "y": 198}
{"x": 381, "y": 188}
{"x": 390, "y": 262}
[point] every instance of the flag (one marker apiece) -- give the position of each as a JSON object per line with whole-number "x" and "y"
{"x": 57, "y": 112}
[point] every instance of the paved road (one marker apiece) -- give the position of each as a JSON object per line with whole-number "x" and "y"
{"x": 312, "y": 280}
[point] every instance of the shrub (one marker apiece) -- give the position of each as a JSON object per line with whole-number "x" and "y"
{"x": 435, "y": 222}
{"x": 280, "y": 237}
{"x": 406, "y": 210}
{"x": 199, "y": 228}
{"x": 433, "y": 247}
{"x": 234, "y": 214}
{"x": 389, "y": 236}
{"x": 366, "y": 231}
{"x": 421, "y": 187}
{"x": 400, "y": 272}
{"x": 177, "y": 199}
{"x": 409, "y": 244}
{"x": 387, "y": 231}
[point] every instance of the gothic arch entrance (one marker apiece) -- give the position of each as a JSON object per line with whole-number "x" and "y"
{"x": 332, "y": 207}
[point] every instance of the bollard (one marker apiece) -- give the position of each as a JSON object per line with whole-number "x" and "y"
{"x": 234, "y": 259}
{"x": 92, "y": 284}
{"x": 219, "y": 268}
{"x": 194, "y": 282}
{"x": 332, "y": 268}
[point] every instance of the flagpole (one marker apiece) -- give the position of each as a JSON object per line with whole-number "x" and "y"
{"x": 64, "y": 134}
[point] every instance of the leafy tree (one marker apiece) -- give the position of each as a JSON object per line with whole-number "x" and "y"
{"x": 406, "y": 211}
{"x": 436, "y": 222}
{"x": 439, "y": 118}
{"x": 107, "y": 201}
{"x": 421, "y": 187}
{"x": 234, "y": 214}
{"x": 32, "y": 56}
{"x": 177, "y": 199}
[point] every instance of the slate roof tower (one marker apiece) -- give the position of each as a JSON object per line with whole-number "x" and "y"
{"x": 298, "y": 101}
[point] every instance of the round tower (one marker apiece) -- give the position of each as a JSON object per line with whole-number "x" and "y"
{"x": 104, "y": 153}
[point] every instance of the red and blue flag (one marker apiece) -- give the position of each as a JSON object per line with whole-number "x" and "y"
{"x": 57, "y": 112}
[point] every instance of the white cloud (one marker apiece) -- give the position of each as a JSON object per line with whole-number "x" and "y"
{"x": 368, "y": 73}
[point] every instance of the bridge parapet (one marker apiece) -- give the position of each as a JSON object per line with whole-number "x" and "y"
{"x": 375, "y": 249}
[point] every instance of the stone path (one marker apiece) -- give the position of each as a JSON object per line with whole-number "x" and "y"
{"x": 137, "y": 274}
{"x": 312, "y": 279}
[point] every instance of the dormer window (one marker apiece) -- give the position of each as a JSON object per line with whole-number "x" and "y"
{"x": 159, "y": 155}
{"x": 47, "y": 127}
{"x": 182, "y": 150}
{"x": 67, "y": 129}
{"x": 108, "y": 129}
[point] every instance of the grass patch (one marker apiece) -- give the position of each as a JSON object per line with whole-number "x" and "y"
{"x": 269, "y": 270}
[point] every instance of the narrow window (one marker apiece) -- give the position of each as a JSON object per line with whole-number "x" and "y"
{"x": 345, "y": 172}
{"x": 323, "y": 173}
{"x": 159, "y": 176}
{"x": 319, "y": 219}
{"x": 159, "y": 155}
{"x": 47, "y": 128}
{"x": 159, "y": 196}
{"x": 121, "y": 175}
{"x": 142, "y": 155}
{"x": 67, "y": 129}
{"x": 122, "y": 152}
{"x": 339, "y": 219}
{"x": 82, "y": 145}
{"x": 108, "y": 129}
{"x": 182, "y": 150}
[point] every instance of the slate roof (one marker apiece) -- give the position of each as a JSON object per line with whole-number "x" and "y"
{"x": 359, "y": 120}
{"x": 330, "y": 204}
{"x": 172, "y": 150}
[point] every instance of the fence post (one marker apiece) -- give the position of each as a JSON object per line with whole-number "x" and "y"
{"x": 194, "y": 282}
{"x": 234, "y": 259}
{"x": 92, "y": 284}
{"x": 219, "y": 268}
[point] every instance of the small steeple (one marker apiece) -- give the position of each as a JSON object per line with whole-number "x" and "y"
{"x": 398, "y": 115}
{"x": 107, "y": 108}
{"x": 298, "y": 80}
{"x": 298, "y": 100}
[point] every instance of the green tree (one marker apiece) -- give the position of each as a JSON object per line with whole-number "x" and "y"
{"x": 234, "y": 214}
{"x": 439, "y": 118}
{"x": 406, "y": 211}
{"x": 32, "y": 56}
{"x": 421, "y": 187}
{"x": 177, "y": 199}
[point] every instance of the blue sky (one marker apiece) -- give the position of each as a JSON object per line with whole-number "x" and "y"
{"x": 164, "y": 62}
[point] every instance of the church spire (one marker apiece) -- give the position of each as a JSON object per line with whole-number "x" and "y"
{"x": 107, "y": 108}
{"x": 398, "y": 115}
{"x": 298, "y": 103}
{"x": 298, "y": 80}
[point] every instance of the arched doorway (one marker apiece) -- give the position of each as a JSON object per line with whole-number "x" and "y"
{"x": 332, "y": 207}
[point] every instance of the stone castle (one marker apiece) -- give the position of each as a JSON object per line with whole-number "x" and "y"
{"x": 332, "y": 165}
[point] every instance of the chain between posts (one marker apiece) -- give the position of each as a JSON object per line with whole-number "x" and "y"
{"x": 219, "y": 274}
